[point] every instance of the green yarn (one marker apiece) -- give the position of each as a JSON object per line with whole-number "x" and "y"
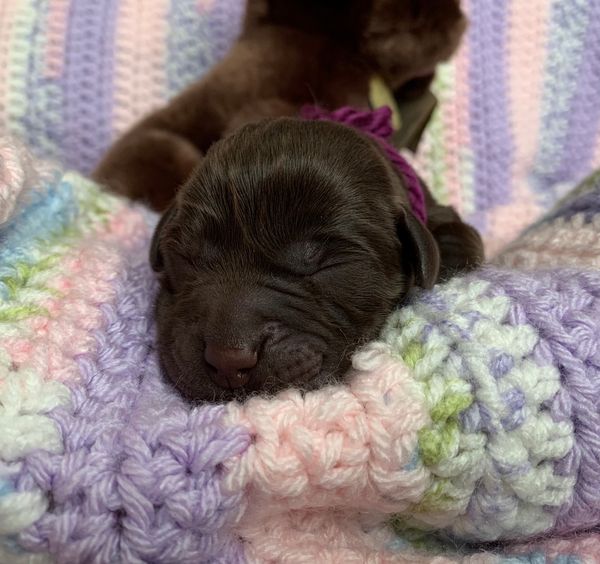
{"x": 23, "y": 274}
{"x": 451, "y": 406}
{"x": 20, "y": 312}
{"x": 437, "y": 444}
{"x": 412, "y": 354}
{"x": 440, "y": 440}
{"x": 94, "y": 208}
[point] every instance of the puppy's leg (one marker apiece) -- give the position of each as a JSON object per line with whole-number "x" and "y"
{"x": 149, "y": 165}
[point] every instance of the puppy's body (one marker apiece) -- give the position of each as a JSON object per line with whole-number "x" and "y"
{"x": 291, "y": 52}
{"x": 291, "y": 240}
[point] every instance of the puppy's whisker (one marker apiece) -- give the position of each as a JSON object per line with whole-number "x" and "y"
{"x": 343, "y": 334}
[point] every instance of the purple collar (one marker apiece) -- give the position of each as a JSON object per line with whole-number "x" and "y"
{"x": 377, "y": 123}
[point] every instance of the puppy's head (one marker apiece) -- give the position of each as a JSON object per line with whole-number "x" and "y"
{"x": 407, "y": 39}
{"x": 287, "y": 248}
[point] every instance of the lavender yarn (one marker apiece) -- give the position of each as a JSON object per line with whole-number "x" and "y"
{"x": 139, "y": 480}
{"x": 564, "y": 306}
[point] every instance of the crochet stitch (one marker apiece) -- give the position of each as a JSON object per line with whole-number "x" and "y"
{"x": 475, "y": 415}
{"x": 75, "y": 74}
{"x": 517, "y": 124}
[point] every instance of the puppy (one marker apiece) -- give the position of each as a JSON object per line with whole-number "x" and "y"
{"x": 290, "y": 52}
{"x": 286, "y": 249}
{"x": 286, "y": 242}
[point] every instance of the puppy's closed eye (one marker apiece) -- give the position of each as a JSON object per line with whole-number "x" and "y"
{"x": 304, "y": 258}
{"x": 317, "y": 256}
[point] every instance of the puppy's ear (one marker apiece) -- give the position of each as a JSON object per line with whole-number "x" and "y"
{"x": 421, "y": 253}
{"x": 156, "y": 259}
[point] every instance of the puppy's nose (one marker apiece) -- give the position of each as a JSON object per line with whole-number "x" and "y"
{"x": 230, "y": 364}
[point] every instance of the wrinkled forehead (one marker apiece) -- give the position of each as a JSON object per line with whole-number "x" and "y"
{"x": 288, "y": 179}
{"x": 273, "y": 212}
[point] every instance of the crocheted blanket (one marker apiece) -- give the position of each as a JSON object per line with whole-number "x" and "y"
{"x": 475, "y": 416}
{"x": 475, "y": 423}
{"x": 518, "y": 125}
{"x": 75, "y": 74}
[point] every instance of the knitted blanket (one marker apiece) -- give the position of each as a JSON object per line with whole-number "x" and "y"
{"x": 475, "y": 415}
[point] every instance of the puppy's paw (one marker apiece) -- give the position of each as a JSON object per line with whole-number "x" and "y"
{"x": 460, "y": 246}
{"x": 148, "y": 165}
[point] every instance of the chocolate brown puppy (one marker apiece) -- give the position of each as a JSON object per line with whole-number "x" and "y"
{"x": 290, "y": 52}
{"x": 285, "y": 242}
{"x": 286, "y": 249}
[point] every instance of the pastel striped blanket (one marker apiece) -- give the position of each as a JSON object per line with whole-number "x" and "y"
{"x": 75, "y": 74}
{"x": 518, "y": 124}
{"x": 475, "y": 416}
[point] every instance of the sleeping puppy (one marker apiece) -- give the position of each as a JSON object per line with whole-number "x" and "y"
{"x": 285, "y": 250}
{"x": 286, "y": 242}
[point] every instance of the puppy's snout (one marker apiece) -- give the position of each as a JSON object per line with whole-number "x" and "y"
{"x": 231, "y": 365}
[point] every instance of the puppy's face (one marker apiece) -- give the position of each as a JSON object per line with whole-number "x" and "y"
{"x": 407, "y": 40}
{"x": 286, "y": 249}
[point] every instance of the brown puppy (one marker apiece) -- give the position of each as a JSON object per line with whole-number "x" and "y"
{"x": 291, "y": 52}
{"x": 292, "y": 240}
{"x": 285, "y": 250}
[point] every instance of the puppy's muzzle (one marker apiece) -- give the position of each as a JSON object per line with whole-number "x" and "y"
{"x": 230, "y": 367}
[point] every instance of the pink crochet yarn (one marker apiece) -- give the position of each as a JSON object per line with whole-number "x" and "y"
{"x": 343, "y": 448}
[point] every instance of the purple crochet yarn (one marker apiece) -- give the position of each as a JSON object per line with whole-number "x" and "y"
{"x": 76, "y": 86}
{"x": 377, "y": 123}
{"x": 139, "y": 479}
{"x": 564, "y": 306}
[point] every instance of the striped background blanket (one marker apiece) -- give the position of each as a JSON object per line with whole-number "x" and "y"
{"x": 517, "y": 127}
